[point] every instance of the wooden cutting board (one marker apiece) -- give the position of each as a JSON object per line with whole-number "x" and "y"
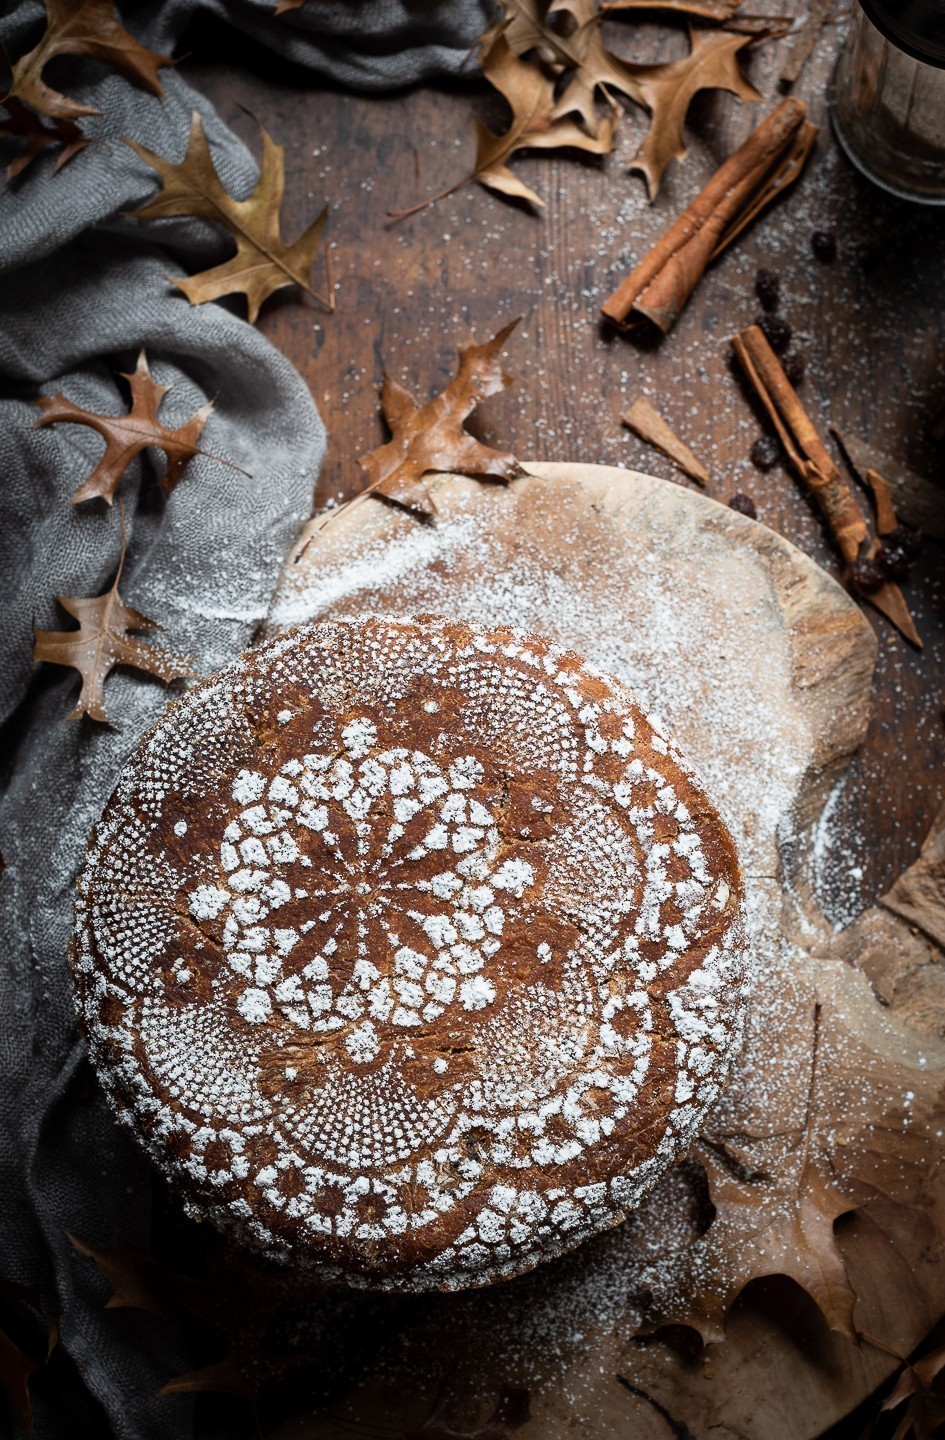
{"x": 761, "y": 665}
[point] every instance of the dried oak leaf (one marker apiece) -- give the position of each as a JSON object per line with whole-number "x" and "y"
{"x": 89, "y": 28}
{"x": 531, "y": 26}
{"x": 126, "y": 436}
{"x": 263, "y": 262}
{"x": 842, "y": 1114}
{"x": 17, "y": 1364}
{"x": 537, "y": 124}
{"x": 217, "y": 1301}
{"x": 432, "y": 437}
{"x": 101, "y": 642}
{"x": 22, "y": 123}
{"x": 925, "y": 1407}
{"x": 667, "y": 91}
{"x": 919, "y": 893}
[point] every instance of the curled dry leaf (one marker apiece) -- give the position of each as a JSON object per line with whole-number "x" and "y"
{"x": 537, "y": 124}
{"x": 845, "y": 1121}
{"x": 217, "y": 1302}
{"x": 917, "y": 500}
{"x": 263, "y": 262}
{"x": 101, "y": 642}
{"x": 924, "y": 1413}
{"x": 22, "y": 123}
{"x": 18, "y": 1364}
{"x": 126, "y": 436}
{"x": 90, "y": 28}
{"x": 432, "y": 437}
{"x": 668, "y": 90}
{"x": 919, "y": 893}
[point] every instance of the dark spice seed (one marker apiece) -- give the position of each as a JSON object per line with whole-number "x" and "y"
{"x": 776, "y": 331}
{"x": 765, "y": 452}
{"x": 824, "y": 245}
{"x": 794, "y": 367}
{"x": 869, "y": 574}
{"x": 768, "y": 289}
{"x": 897, "y": 552}
{"x": 744, "y": 505}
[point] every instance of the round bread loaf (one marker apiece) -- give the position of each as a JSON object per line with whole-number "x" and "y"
{"x": 410, "y": 951}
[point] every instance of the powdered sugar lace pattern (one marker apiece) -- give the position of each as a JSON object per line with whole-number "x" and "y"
{"x": 411, "y": 951}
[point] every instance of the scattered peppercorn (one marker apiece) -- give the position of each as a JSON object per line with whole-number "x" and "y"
{"x": 794, "y": 367}
{"x": 744, "y": 505}
{"x": 765, "y": 453}
{"x": 898, "y": 550}
{"x": 824, "y": 245}
{"x": 768, "y": 289}
{"x": 868, "y": 574}
{"x": 776, "y": 331}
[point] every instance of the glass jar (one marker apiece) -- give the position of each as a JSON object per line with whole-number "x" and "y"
{"x": 888, "y": 106}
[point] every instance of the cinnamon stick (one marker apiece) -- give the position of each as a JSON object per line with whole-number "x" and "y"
{"x": 771, "y": 158}
{"x": 814, "y": 464}
{"x": 886, "y": 521}
{"x": 804, "y": 447}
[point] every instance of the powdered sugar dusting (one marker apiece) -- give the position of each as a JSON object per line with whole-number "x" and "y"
{"x": 405, "y": 995}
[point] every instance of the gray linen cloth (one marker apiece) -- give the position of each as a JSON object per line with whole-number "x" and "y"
{"x": 81, "y": 291}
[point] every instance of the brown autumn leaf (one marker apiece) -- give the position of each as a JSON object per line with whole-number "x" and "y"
{"x": 126, "y": 436}
{"x": 17, "y": 1364}
{"x": 667, "y": 91}
{"x": 536, "y": 125}
{"x": 534, "y": 25}
{"x": 101, "y": 642}
{"x": 218, "y": 1302}
{"x": 432, "y": 437}
{"x": 919, "y": 893}
{"x": 90, "y": 28}
{"x": 924, "y": 1414}
{"x": 263, "y": 262}
{"x": 22, "y": 123}
{"x": 918, "y": 501}
{"x": 842, "y": 1120}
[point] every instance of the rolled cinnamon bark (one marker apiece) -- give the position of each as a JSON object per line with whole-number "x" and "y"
{"x": 659, "y": 287}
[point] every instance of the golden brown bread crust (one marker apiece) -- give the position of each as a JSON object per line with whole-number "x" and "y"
{"x": 410, "y": 951}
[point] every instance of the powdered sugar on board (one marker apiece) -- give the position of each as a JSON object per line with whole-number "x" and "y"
{"x": 722, "y": 628}
{"x": 761, "y": 666}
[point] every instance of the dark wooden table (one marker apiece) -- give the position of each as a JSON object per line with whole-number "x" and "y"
{"x": 869, "y": 325}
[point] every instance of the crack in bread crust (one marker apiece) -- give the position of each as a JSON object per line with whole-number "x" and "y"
{"x": 411, "y": 952}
